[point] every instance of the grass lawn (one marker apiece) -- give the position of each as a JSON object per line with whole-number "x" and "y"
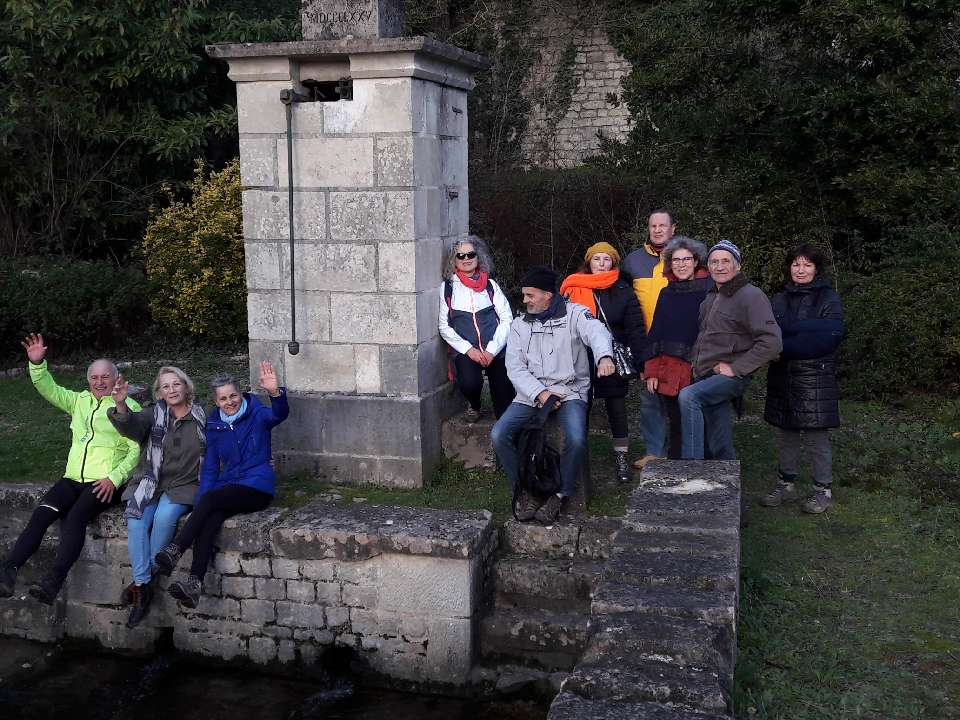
{"x": 851, "y": 614}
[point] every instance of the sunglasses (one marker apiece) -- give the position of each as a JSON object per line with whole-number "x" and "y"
{"x": 467, "y": 255}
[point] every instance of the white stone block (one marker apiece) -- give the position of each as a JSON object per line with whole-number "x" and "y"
{"x": 396, "y": 272}
{"x": 265, "y": 215}
{"x": 339, "y": 266}
{"x": 429, "y": 263}
{"x": 380, "y": 319}
{"x": 426, "y": 585}
{"x": 372, "y": 215}
{"x": 254, "y": 69}
{"x": 368, "y": 368}
{"x": 378, "y": 106}
{"x": 258, "y": 162}
{"x": 328, "y": 162}
{"x": 427, "y": 303}
{"x": 259, "y": 109}
{"x": 268, "y": 317}
{"x": 322, "y": 368}
{"x": 431, "y": 211}
{"x": 429, "y": 162}
{"x": 262, "y": 650}
{"x": 454, "y": 161}
{"x": 426, "y": 105}
{"x": 263, "y": 265}
{"x": 394, "y": 161}
{"x": 451, "y": 122}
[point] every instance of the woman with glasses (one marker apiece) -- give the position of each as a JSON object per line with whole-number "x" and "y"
{"x": 606, "y": 290}
{"x": 803, "y": 398}
{"x": 165, "y": 484}
{"x": 667, "y": 353}
{"x": 474, "y": 320}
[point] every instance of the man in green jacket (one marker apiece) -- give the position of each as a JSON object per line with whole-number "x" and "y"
{"x": 99, "y": 462}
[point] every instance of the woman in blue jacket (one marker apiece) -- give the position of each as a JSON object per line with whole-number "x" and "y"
{"x": 236, "y": 476}
{"x": 803, "y": 397}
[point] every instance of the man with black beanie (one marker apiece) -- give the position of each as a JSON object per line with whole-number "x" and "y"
{"x": 547, "y": 355}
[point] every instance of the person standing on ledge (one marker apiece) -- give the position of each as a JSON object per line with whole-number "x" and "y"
{"x": 547, "y": 355}
{"x": 99, "y": 461}
{"x": 236, "y": 478}
{"x": 645, "y": 266}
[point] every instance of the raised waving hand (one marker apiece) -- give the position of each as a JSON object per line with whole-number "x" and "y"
{"x": 36, "y": 350}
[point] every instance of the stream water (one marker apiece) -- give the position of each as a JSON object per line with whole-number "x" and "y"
{"x": 38, "y": 682}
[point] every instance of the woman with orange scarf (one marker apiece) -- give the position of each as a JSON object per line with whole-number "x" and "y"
{"x": 607, "y": 292}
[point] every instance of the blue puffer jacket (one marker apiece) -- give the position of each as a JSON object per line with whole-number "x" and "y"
{"x": 240, "y": 454}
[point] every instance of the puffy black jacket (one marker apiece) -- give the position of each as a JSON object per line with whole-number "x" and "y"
{"x": 622, "y": 311}
{"x": 802, "y": 389}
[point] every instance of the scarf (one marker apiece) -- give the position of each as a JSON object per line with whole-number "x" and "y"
{"x": 230, "y": 419}
{"x": 556, "y": 302}
{"x": 147, "y": 486}
{"x": 579, "y": 287}
{"x": 477, "y": 283}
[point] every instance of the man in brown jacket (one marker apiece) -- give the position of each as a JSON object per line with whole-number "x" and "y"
{"x": 738, "y": 335}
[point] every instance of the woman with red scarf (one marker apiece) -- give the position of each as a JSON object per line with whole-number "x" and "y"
{"x": 475, "y": 321}
{"x": 607, "y": 292}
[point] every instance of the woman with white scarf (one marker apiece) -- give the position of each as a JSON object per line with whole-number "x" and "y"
{"x": 166, "y": 483}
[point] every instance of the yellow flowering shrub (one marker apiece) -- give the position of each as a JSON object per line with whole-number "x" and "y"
{"x": 193, "y": 255}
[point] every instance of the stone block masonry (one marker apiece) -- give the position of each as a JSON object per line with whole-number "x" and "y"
{"x": 379, "y": 185}
{"x": 400, "y": 587}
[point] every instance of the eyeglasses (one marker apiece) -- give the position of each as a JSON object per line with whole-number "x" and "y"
{"x": 720, "y": 262}
{"x": 682, "y": 261}
{"x": 467, "y": 255}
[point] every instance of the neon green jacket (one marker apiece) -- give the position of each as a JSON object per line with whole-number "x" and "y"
{"x": 97, "y": 450}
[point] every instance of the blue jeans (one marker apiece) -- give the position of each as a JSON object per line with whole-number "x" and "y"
{"x": 148, "y": 534}
{"x": 573, "y": 419}
{"x": 653, "y": 422}
{"x": 705, "y": 413}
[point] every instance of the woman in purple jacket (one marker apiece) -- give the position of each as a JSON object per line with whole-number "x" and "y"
{"x": 236, "y": 476}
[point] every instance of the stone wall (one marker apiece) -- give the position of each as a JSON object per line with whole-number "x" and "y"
{"x": 400, "y": 587}
{"x": 575, "y": 60}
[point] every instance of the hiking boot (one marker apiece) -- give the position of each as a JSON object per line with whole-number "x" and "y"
{"x": 167, "y": 559}
{"x": 126, "y": 597}
{"x": 818, "y": 502}
{"x": 640, "y": 463}
{"x": 549, "y": 511}
{"x": 526, "y": 507}
{"x": 141, "y": 597}
{"x": 8, "y": 579}
{"x": 186, "y": 591}
{"x": 46, "y": 590}
{"x": 782, "y": 492}
{"x": 623, "y": 469}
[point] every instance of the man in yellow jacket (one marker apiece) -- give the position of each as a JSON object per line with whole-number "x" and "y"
{"x": 99, "y": 462}
{"x": 645, "y": 266}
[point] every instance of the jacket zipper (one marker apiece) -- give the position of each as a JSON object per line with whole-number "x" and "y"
{"x": 83, "y": 464}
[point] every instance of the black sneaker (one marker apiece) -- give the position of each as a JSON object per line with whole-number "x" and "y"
{"x": 186, "y": 591}
{"x": 126, "y": 597}
{"x": 8, "y": 580}
{"x": 46, "y": 590}
{"x": 141, "y": 597}
{"x": 526, "y": 507}
{"x": 167, "y": 559}
{"x": 549, "y": 512}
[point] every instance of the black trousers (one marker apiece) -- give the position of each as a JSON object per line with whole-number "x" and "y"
{"x": 74, "y": 505}
{"x": 201, "y": 528}
{"x": 672, "y": 405}
{"x": 469, "y": 378}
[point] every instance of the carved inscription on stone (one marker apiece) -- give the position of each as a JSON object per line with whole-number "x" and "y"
{"x": 336, "y": 19}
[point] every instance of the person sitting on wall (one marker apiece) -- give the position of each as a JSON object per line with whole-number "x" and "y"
{"x": 547, "y": 355}
{"x": 236, "y": 477}
{"x": 165, "y": 484}
{"x": 99, "y": 461}
{"x": 738, "y": 335}
{"x": 474, "y": 321}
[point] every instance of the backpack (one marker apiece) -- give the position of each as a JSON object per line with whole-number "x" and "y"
{"x": 539, "y": 467}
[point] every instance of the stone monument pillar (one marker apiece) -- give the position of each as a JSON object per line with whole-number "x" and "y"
{"x": 379, "y": 146}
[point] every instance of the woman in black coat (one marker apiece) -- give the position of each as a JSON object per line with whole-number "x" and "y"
{"x": 608, "y": 293}
{"x": 802, "y": 391}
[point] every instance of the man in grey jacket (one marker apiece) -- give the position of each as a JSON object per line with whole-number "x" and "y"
{"x": 547, "y": 355}
{"x": 738, "y": 335}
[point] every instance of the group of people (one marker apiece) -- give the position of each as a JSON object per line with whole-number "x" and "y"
{"x": 697, "y": 330}
{"x": 212, "y": 465}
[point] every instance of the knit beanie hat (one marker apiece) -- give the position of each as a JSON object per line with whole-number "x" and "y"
{"x": 729, "y": 247}
{"x": 602, "y": 247}
{"x": 542, "y": 278}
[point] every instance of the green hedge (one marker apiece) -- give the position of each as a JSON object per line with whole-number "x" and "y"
{"x": 74, "y": 303}
{"x": 904, "y": 328}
